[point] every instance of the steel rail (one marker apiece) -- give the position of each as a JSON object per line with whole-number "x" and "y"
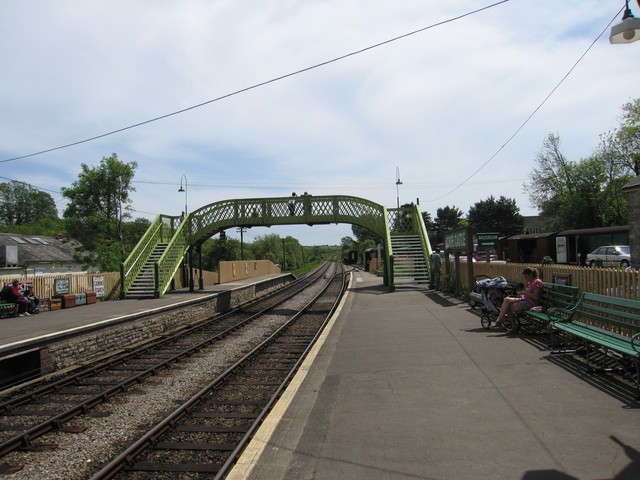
{"x": 235, "y": 454}
{"x": 26, "y": 438}
{"x": 127, "y": 457}
{"x": 129, "y": 353}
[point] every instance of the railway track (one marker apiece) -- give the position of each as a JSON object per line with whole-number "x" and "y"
{"x": 52, "y": 407}
{"x": 204, "y": 437}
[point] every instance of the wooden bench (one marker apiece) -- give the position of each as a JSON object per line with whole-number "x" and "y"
{"x": 8, "y": 310}
{"x": 554, "y": 296}
{"x": 609, "y": 324}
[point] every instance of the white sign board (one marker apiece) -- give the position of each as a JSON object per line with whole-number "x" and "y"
{"x": 561, "y": 250}
{"x": 98, "y": 286}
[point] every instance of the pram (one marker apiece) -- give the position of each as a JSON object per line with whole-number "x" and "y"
{"x": 489, "y": 293}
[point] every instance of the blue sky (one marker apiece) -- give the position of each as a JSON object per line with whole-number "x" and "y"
{"x": 436, "y": 105}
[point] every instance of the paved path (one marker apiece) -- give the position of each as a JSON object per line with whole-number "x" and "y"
{"x": 407, "y": 385}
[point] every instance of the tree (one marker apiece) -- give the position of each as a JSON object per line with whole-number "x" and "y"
{"x": 21, "y": 204}
{"x": 622, "y": 145}
{"x": 362, "y": 234}
{"x": 133, "y": 231}
{"x": 216, "y": 250}
{"x": 569, "y": 194}
{"x": 447, "y": 219}
{"x": 97, "y": 209}
{"x": 491, "y": 215}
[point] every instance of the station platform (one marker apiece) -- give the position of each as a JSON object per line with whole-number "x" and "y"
{"x": 408, "y": 385}
{"x": 24, "y": 331}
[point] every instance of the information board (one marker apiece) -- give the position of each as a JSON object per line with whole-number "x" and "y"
{"x": 98, "y": 286}
{"x": 61, "y": 286}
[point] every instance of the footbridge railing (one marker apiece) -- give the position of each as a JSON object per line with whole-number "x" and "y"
{"x": 205, "y": 222}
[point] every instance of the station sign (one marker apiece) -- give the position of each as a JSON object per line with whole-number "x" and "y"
{"x": 488, "y": 239}
{"x": 456, "y": 241}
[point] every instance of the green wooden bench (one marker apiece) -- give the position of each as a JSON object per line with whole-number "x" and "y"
{"x": 8, "y": 309}
{"x": 609, "y": 324}
{"x": 554, "y": 296}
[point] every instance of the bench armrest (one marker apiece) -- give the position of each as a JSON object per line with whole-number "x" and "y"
{"x": 566, "y": 314}
{"x": 635, "y": 342}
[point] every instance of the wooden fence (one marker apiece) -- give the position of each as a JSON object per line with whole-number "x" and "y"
{"x": 78, "y": 282}
{"x": 615, "y": 282}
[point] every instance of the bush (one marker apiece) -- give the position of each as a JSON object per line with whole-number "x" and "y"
{"x": 448, "y": 283}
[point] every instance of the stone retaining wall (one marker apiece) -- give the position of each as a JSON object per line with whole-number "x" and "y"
{"x": 90, "y": 346}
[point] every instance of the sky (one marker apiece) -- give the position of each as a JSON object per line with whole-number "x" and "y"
{"x": 431, "y": 108}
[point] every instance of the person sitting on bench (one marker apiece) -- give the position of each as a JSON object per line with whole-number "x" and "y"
{"x": 33, "y": 301}
{"x": 529, "y": 297}
{"x": 13, "y": 294}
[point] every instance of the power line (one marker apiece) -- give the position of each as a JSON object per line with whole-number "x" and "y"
{"x": 553, "y": 90}
{"x": 258, "y": 85}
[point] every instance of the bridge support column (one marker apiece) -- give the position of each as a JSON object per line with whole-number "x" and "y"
{"x": 200, "y": 280}
{"x": 191, "y": 289}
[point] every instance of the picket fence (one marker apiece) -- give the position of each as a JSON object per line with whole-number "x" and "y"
{"x": 615, "y": 282}
{"x": 78, "y": 282}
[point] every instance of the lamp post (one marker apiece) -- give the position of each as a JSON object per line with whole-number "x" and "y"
{"x": 184, "y": 189}
{"x": 398, "y": 183}
{"x": 189, "y": 252}
{"x": 242, "y": 230}
{"x": 628, "y": 30}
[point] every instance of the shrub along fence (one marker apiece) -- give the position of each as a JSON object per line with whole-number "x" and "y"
{"x": 616, "y": 282}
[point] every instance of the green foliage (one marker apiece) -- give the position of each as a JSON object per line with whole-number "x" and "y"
{"x": 570, "y": 194}
{"x": 22, "y": 205}
{"x": 491, "y": 215}
{"x": 216, "y": 250}
{"x": 97, "y": 209}
{"x": 547, "y": 260}
{"x": 622, "y": 145}
{"x": 448, "y": 283}
{"x": 464, "y": 294}
{"x": 447, "y": 219}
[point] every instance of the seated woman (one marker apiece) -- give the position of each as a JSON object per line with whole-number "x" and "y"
{"x": 528, "y": 299}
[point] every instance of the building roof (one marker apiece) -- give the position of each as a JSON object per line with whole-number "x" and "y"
{"x": 592, "y": 231}
{"x": 633, "y": 184}
{"x": 531, "y": 236}
{"x": 40, "y": 248}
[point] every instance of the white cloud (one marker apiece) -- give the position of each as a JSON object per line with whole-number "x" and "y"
{"x": 436, "y": 104}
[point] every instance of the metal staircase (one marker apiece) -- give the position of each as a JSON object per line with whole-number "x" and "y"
{"x": 410, "y": 269}
{"x": 144, "y": 285}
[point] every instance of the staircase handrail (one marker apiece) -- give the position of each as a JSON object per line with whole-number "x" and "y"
{"x": 169, "y": 261}
{"x": 133, "y": 264}
{"x": 424, "y": 236}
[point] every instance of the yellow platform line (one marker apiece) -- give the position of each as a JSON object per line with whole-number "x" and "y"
{"x": 243, "y": 467}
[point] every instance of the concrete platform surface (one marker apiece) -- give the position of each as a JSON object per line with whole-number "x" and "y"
{"x": 408, "y": 385}
{"x": 16, "y": 330}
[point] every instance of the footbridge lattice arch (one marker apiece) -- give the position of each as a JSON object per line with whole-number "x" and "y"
{"x": 182, "y": 238}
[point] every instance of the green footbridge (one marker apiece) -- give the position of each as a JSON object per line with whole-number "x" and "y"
{"x": 151, "y": 266}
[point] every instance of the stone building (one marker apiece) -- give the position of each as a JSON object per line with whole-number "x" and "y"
{"x": 37, "y": 254}
{"x": 632, "y": 189}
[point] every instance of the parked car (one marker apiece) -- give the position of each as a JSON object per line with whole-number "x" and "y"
{"x": 610, "y": 256}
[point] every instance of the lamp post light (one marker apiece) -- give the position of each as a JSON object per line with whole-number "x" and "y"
{"x": 398, "y": 183}
{"x": 184, "y": 189}
{"x": 628, "y": 30}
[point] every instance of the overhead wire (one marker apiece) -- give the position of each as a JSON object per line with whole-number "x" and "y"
{"x": 258, "y": 85}
{"x": 517, "y": 131}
